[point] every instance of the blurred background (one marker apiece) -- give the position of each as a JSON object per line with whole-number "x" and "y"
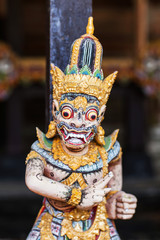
{"x": 129, "y": 31}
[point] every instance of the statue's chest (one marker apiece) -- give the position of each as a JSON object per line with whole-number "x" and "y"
{"x": 82, "y": 171}
{"x": 68, "y": 177}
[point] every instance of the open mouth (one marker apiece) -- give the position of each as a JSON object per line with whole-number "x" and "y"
{"x": 76, "y": 137}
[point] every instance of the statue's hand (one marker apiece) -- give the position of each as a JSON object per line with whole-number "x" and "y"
{"x": 94, "y": 194}
{"x": 126, "y": 205}
{"x": 121, "y": 205}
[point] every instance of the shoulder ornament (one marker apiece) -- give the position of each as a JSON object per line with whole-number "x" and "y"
{"x": 74, "y": 162}
{"x": 44, "y": 142}
{"x": 34, "y": 154}
{"x": 110, "y": 140}
{"x": 113, "y": 147}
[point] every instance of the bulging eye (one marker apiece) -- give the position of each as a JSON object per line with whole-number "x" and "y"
{"x": 91, "y": 115}
{"x": 67, "y": 112}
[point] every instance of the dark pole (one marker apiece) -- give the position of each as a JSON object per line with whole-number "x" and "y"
{"x": 67, "y": 22}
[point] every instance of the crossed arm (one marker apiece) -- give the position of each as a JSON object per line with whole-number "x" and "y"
{"x": 38, "y": 183}
{"x": 119, "y": 205}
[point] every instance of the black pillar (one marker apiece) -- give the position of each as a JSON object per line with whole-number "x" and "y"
{"x": 67, "y": 22}
{"x": 14, "y": 25}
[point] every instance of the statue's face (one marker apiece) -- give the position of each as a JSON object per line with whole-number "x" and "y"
{"x": 77, "y": 121}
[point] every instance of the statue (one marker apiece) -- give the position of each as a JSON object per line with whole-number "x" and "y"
{"x": 76, "y": 168}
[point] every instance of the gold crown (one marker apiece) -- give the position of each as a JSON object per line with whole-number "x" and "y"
{"x": 83, "y": 78}
{"x": 79, "y": 83}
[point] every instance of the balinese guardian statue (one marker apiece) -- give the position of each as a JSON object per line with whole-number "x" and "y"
{"x": 74, "y": 166}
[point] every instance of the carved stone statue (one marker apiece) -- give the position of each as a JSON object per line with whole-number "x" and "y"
{"x": 76, "y": 168}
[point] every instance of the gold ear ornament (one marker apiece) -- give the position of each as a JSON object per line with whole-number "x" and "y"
{"x": 52, "y": 130}
{"x": 99, "y": 137}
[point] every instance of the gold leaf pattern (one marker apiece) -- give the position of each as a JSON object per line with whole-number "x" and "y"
{"x": 73, "y": 178}
{"x": 99, "y": 227}
{"x": 34, "y": 154}
{"x": 104, "y": 156}
{"x": 79, "y": 83}
{"x": 75, "y": 197}
{"x": 74, "y": 162}
{"x": 45, "y": 227}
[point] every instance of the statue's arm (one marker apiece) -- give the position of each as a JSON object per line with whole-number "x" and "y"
{"x": 120, "y": 205}
{"x": 116, "y": 182}
{"x": 38, "y": 183}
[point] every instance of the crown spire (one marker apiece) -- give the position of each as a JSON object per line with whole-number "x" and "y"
{"x": 86, "y": 53}
{"x": 90, "y": 26}
{"x": 84, "y": 73}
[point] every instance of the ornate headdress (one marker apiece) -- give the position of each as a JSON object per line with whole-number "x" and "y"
{"x": 84, "y": 73}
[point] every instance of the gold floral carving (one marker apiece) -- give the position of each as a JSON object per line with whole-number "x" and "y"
{"x": 79, "y": 83}
{"x": 98, "y": 227}
{"x": 34, "y": 154}
{"x": 104, "y": 156}
{"x": 74, "y": 162}
{"x": 45, "y": 227}
{"x": 73, "y": 178}
{"x": 75, "y": 197}
{"x": 77, "y": 215}
{"x": 79, "y": 102}
{"x": 104, "y": 236}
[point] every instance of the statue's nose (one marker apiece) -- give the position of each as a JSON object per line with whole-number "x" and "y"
{"x": 78, "y": 125}
{"x": 78, "y": 121}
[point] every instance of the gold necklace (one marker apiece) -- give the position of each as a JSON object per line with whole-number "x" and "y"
{"x": 74, "y": 162}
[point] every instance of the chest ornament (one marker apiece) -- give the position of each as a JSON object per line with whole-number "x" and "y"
{"x": 74, "y": 162}
{"x": 75, "y": 177}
